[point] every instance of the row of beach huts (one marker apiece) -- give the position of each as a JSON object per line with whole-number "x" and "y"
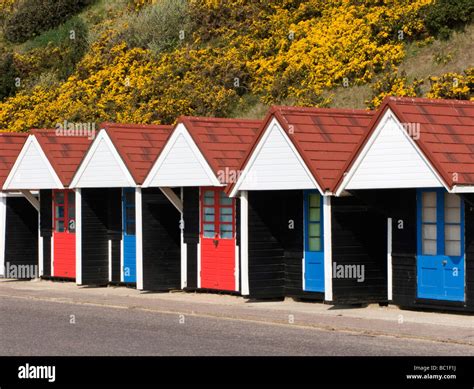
{"x": 332, "y": 205}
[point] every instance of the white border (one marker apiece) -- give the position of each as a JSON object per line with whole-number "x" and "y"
{"x": 155, "y": 170}
{"x": 78, "y": 236}
{"x": 3, "y": 226}
{"x": 244, "y": 242}
{"x": 303, "y": 265}
{"x": 184, "y": 248}
{"x": 327, "y": 248}
{"x": 274, "y": 122}
{"x": 122, "y": 263}
{"x": 32, "y": 141}
{"x": 389, "y": 115}
{"x": 75, "y": 183}
{"x": 389, "y": 260}
{"x": 52, "y": 255}
{"x": 110, "y": 259}
{"x": 199, "y": 264}
{"x": 139, "y": 237}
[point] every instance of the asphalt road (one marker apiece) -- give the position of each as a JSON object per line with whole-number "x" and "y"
{"x": 34, "y": 327}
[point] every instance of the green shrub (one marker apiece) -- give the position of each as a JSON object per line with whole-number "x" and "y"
{"x": 31, "y": 17}
{"x": 61, "y": 49}
{"x": 53, "y": 55}
{"x": 447, "y": 15}
{"x": 158, "y": 26}
{"x": 7, "y": 75}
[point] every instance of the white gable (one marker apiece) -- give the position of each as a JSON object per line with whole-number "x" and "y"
{"x": 102, "y": 167}
{"x": 181, "y": 164}
{"x": 275, "y": 165}
{"x": 32, "y": 169}
{"x": 391, "y": 159}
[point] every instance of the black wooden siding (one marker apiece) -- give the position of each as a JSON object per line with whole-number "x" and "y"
{"x": 293, "y": 244}
{"x": 400, "y": 205}
{"x": 191, "y": 234}
{"x": 95, "y": 247}
{"x": 359, "y": 237}
{"x": 161, "y": 242}
{"x": 266, "y": 266}
{"x": 21, "y": 235}
{"x": 276, "y": 245}
{"x": 46, "y": 228}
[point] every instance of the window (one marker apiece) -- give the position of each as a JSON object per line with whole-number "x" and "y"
{"x": 314, "y": 230}
{"x": 429, "y": 226}
{"x": 64, "y": 211}
{"x": 441, "y": 223}
{"x": 217, "y": 214}
{"x": 452, "y": 225}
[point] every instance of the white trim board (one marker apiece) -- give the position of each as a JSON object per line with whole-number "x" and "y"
{"x": 3, "y": 222}
{"x": 244, "y": 242}
{"x": 181, "y": 163}
{"x": 174, "y": 199}
{"x": 390, "y": 160}
{"x": 110, "y": 259}
{"x": 139, "y": 237}
{"x": 184, "y": 248}
{"x": 389, "y": 260}
{"x": 32, "y": 169}
{"x": 78, "y": 237}
{"x": 103, "y": 167}
{"x": 327, "y": 222}
{"x": 275, "y": 164}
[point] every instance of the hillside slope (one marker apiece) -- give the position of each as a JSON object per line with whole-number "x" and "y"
{"x": 151, "y": 61}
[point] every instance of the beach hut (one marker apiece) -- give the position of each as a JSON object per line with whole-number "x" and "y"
{"x": 297, "y": 239}
{"x": 128, "y": 235}
{"x": 46, "y": 163}
{"x": 199, "y": 160}
{"x": 415, "y": 166}
{"x": 18, "y": 218}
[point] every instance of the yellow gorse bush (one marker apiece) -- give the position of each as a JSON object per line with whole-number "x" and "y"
{"x": 285, "y": 50}
{"x": 453, "y": 86}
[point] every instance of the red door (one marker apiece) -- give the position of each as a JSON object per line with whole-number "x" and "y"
{"x": 64, "y": 236}
{"x": 217, "y": 240}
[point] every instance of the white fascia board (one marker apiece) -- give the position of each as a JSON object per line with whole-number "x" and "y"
{"x": 462, "y": 189}
{"x": 180, "y": 130}
{"x": 388, "y": 115}
{"x": 103, "y": 136}
{"x": 247, "y": 170}
{"x": 31, "y": 141}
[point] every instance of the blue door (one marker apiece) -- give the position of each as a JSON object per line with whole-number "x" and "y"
{"x": 129, "y": 238}
{"x": 313, "y": 242}
{"x": 440, "y": 259}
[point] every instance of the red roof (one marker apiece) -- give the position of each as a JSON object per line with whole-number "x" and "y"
{"x": 64, "y": 152}
{"x": 138, "y": 145}
{"x": 324, "y": 137}
{"x": 11, "y": 144}
{"x": 224, "y": 143}
{"x": 446, "y": 133}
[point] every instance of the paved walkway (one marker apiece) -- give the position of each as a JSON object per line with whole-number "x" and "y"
{"x": 372, "y": 320}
